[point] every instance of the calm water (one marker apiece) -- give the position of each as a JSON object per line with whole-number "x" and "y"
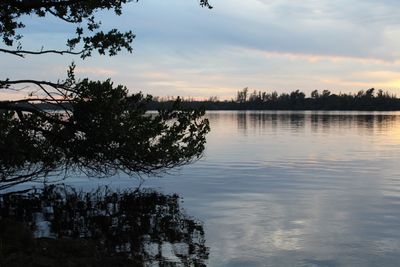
{"x": 296, "y": 189}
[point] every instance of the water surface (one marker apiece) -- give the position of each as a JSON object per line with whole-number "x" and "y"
{"x": 296, "y": 189}
{"x": 293, "y": 188}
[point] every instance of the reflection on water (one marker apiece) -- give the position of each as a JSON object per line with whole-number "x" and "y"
{"x": 317, "y": 120}
{"x": 297, "y": 189}
{"x": 291, "y": 189}
{"x": 141, "y": 228}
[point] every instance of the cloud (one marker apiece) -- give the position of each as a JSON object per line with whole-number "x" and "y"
{"x": 103, "y": 72}
{"x": 320, "y": 57}
{"x": 354, "y": 28}
{"x": 279, "y": 44}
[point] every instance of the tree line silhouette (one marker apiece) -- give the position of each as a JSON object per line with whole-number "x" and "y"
{"x": 365, "y": 100}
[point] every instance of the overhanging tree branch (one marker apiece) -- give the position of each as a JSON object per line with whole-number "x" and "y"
{"x": 101, "y": 129}
{"x": 21, "y": 53}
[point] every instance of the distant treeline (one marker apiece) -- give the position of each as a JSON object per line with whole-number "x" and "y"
{"x": 370, "y": 99}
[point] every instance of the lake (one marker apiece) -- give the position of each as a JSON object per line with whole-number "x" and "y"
{"x": 293, "y": 188}
{"x": 296, "y": 188}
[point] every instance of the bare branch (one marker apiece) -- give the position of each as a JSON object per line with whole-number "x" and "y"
{"x": 38, "y": 83}
{"x": 22, "y": 53}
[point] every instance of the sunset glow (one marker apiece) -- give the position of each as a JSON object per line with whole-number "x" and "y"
{"x": 283, "y": 45}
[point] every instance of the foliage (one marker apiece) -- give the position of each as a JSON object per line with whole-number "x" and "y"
{"x": 99, "y": 130}
{"x": 88, "y": 36}
{"x": 86, "y": 126}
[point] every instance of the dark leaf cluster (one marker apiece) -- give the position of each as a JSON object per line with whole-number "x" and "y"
{"x": 96, "y": 128}
{"x": 76, "y": 12}
{"x": 81, "y": 13}
{"x": 85, "y": 126}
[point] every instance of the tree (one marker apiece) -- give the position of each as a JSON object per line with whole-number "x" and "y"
{"x": 242, "y": 95}
{"x": 315, "y": 94}
{"x": 325, "y": 93}
{"x": 87, "y": 126}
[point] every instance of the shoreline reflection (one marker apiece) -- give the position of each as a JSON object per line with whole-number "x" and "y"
{"x": 317, "y": 120}
{"x": 143, "y": 228}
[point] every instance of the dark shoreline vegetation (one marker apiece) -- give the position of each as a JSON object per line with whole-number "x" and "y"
{"x": 58, "y": 226}
{"x": 368, "y": 100}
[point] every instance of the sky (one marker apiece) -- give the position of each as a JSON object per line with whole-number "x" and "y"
{"x": 269, "y": 45}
